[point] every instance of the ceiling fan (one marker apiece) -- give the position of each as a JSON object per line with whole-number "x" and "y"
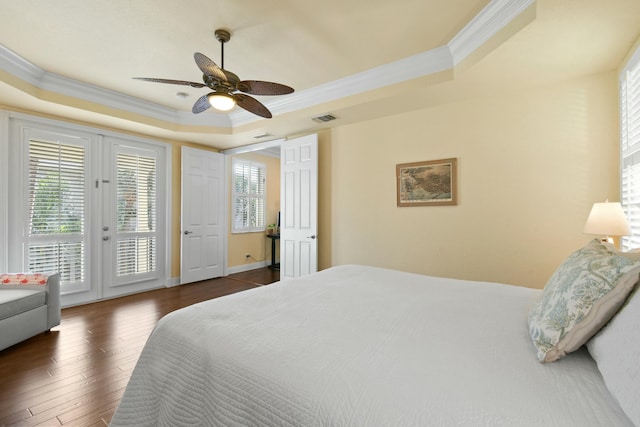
{"x": 228, "y": 89}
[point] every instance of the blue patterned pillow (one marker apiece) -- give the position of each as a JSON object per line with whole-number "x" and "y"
{"x": 583, "y": 294}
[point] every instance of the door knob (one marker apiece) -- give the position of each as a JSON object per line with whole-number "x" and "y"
{"x": 187, "y": 232}
{"x": 311, "y": 237}
{"x": 105, "y": 238}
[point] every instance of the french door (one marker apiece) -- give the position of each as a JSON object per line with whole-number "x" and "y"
{"x": 132, "y": 229}
{"x": 88, "y": 206}
{"x": 52, "y": 206}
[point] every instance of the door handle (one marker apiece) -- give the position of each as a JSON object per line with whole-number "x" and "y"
{"x": 311, "y": 237}
{"x": 187, "y": 232}
{"x": 105, "y": 238}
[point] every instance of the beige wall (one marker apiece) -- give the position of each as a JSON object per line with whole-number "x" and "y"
{"x": 256, "y": 244}
{"x": 530, "y": 165}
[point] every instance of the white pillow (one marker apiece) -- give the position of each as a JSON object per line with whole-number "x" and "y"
{"x": 580, "y": 298}
{"x": 616, "y": 349}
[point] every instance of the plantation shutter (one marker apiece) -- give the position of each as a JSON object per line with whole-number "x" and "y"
{"x": 630, "y": 149}
{"x": 136, "y": 245}
{"x": 249, "y": 191}
{"x": 56, "y": 208}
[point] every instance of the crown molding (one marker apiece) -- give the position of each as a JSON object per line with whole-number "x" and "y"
{"x": 16, "y": 65}
{"x": 419, "y": 65}
{"x": 56, "y": 83}
{"x": 495, "y": 16}
{"x": 44, "y": 80}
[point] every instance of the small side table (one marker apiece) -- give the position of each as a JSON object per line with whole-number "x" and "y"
{"x": 274, "y": 265}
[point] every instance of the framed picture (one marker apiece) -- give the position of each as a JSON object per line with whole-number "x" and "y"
{"x": 430, "y": 183}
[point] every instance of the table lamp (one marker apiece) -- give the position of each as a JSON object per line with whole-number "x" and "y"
{"x": 608, "y": 220}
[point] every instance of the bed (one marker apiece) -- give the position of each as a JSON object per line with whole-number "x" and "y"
{"x": 363, "y": 346}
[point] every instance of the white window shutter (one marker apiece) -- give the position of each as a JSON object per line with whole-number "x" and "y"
{"x": 136, "y": 214}
{"x": 249, "y": 196}
{"x": 630, "y": 149}
{"x": 56, "y": 220}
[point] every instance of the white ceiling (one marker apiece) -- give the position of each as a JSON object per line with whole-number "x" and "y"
{"x": 358, "y": 59}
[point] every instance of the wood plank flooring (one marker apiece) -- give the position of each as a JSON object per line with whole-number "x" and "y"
{"x": 76, "y": 374}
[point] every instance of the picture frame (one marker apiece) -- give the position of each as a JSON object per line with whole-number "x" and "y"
{"x": 428, "y": 183}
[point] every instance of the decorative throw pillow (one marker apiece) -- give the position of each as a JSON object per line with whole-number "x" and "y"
{"x": 23, "y": 279}
{"x": 616, "y": 349}
{"x": 580, "y": 298}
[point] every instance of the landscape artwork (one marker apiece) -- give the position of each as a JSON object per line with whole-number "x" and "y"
{"x": 429, "y": 183}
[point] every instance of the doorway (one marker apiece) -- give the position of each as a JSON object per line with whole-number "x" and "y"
{"x": 298, "y": 200}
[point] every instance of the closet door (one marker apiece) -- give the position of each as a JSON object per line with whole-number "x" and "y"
{"x": 203, "y": 215}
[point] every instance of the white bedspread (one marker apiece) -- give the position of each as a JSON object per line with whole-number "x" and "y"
{"x": 361, "y": 346}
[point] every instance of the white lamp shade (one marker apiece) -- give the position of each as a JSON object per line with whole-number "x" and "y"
{"x": 607, "y": 219}
{"x": 221, "y": 101}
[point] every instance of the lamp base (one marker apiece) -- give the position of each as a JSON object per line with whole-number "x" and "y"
{"x": 607, "y": 240}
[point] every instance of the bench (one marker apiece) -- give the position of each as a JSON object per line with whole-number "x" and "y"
{"x": 29, "y": 305}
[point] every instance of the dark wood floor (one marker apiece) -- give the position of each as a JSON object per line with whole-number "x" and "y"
{"x": 76, "y": 374}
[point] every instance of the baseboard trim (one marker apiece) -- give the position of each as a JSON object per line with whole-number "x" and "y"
{"x": 246, "y": 267}
{"x": 176, "y": 281}
{"x": 173, "y": 281}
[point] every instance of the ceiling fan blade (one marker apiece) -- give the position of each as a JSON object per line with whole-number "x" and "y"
{"x": 257, "y": 87}
{"x": 208, "y": 67}
{"x": 172, "y": 82}
{"x": 252, "y": 105}
{"x": 201, "y": 104}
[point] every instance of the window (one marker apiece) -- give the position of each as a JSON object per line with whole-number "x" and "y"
{"x": 249, "y": 192}
{"x": 630, "y": 148}
{"x": 56, "y": 223}
{"x": 136, "y": 214}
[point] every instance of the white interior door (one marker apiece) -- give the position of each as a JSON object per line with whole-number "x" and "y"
{"x": 203, "y": 213}
{"x": 299, "y": 207}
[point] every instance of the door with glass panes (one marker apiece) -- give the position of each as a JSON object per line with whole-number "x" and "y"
{"x": 133, "y": 239}
{"x": 91, "y": 208}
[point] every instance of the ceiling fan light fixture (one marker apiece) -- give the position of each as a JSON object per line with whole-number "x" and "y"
{"x": 221, "y": 101}
{"x": 226, "y": 85}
